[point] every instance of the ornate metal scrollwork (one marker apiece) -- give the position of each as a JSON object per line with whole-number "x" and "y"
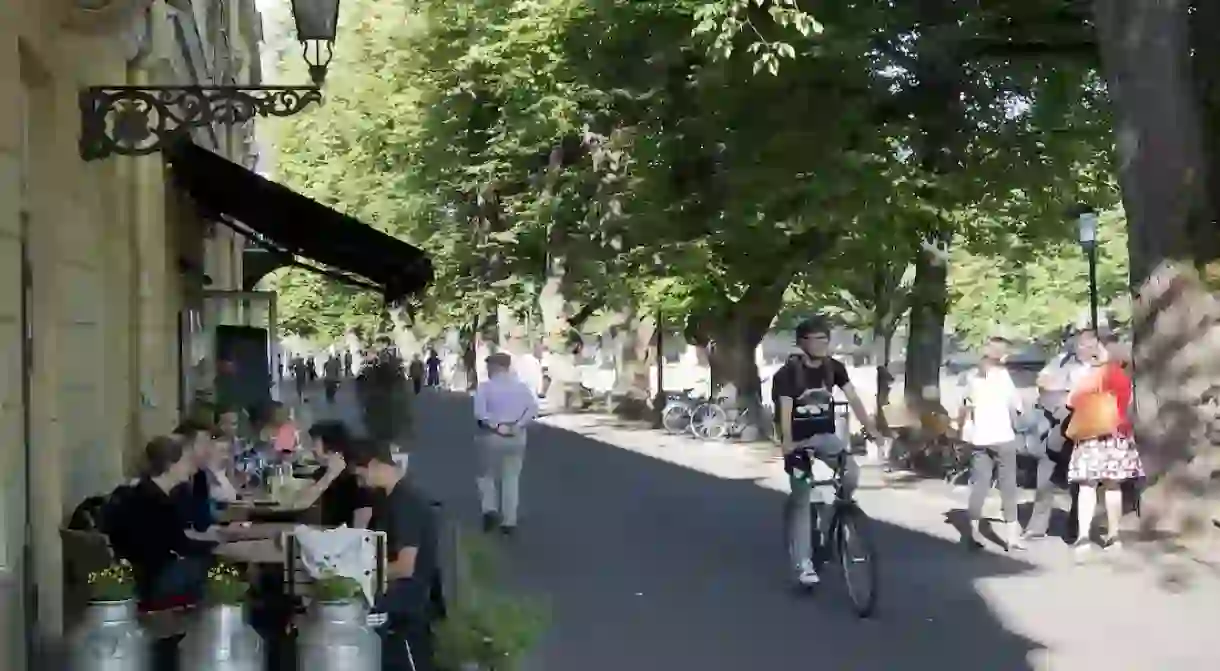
{"x": 138, "y": 120}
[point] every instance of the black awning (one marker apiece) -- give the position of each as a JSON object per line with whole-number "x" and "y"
{"x": 295, "y": 225}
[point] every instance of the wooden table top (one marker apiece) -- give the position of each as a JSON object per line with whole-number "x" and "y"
{"x": 260, "y": 551}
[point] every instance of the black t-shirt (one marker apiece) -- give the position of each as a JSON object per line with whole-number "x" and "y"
{"x": 194, "y": 501}
{"x": 812, "y": 413}
{"x": 342, "y": 499}
{"x": 146, "y": 528}
{"x": 408, "y": 521}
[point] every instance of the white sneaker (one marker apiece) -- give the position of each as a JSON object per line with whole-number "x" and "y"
{"x": 806, "y": 574}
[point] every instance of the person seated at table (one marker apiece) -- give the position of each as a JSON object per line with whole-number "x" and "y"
{"x": 280, "y": 430}
{"x": 337, "y": 491}
{"x": 219, "y": 472}
{"x": 194, "y": 495}
{"x": 146, "y": 527}
{"x": 410, "y": 525}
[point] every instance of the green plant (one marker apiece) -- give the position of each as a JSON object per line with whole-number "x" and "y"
{"x": 113, "y": 583}
{"x": 494, "y": 633}
{"x": 333, "y": 588}
{"x": 485, "y": 625}
{"x": 225, "y": 586}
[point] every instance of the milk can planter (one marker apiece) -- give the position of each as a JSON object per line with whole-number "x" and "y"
{"x": 219, "y": 638}
{"x": 110, "y": 638}
{"x": 336, "y": 635}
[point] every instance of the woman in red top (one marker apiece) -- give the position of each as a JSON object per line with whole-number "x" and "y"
{"x": 1106, "y": 461}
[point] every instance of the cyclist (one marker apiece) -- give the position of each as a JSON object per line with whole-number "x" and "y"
{"x": 803, "y": 393}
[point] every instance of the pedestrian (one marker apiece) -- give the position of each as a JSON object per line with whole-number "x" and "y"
{"x": 987, "y": 417}
{"x": 503, "y": 409}
{"x": 1104, "y": 455}
{"x": 434, "y": 368}
{"x": 347, "y": 363}
{"x": 384, "y": 397}
{"x": 332, "y": 369}
{"x": 300, "y": 376}
{"x": 415, "y": 370}
{"x": 1055, "y": 384}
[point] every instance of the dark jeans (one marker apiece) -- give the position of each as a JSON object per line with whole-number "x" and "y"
{"x": 184, "y": 578}
{"x": 417, "y": 383}
{"x": 406, "y": 645}
{"x": 332, "y": 386}
{"x": 1000, "y": 461}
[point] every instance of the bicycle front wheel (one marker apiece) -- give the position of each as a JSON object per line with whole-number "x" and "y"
{"x": 676, "y": 418}
{"x": 857, "y": 557}
{"x": 709, "y": 421}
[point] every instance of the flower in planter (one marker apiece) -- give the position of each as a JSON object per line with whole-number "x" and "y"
{"x": 113, "y": 583}
{"x": 225, "y": 586}
{"x": 332, "y": 588}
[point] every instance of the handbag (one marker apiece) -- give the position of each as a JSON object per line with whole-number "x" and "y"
{"x": 1094, "y": 415}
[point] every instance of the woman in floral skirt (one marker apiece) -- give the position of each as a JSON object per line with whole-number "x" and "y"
{"x": 1107, "y": 458}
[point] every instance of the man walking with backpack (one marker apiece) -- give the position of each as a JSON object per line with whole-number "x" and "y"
{"x": 804, "y": 395}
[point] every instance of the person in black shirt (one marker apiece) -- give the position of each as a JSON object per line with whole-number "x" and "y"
{"x": 804, "y": 404}
{"x": 193, "y": 497}
{"x": 410, "y": 525}
{"x": 146, "y": 528}
{"x": 337, "y": 490}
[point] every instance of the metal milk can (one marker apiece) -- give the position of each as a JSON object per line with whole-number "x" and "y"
{"x": 337, "y": 637}
{"x": 220, "y": 640}
{"x": 109, "y": 639}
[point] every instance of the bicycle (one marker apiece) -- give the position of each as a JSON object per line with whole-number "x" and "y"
{"x": 712, "y": 421}
{"x": 676, "y": 416}
{"x": 847, "y": 529}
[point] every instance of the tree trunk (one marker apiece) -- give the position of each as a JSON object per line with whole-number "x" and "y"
{"x": 470, "y": 353}
{"x": 633, "y": 389}
{"x": 1146, "y": 54}
{"x": 730, "y": 336}
{"x": 1165, "y": 172}
{"x": 925, "y": 342}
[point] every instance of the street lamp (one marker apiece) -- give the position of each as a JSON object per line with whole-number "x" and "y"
{"x": 142, "y": 120}
{"x": 317, "y": 22}
{"x": 1086, "y": 230}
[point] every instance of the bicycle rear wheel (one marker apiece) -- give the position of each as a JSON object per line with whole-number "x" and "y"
{"x": 709, "y": 421}
{"x": 857, "y": 557}
{"x": 676, "y": 418}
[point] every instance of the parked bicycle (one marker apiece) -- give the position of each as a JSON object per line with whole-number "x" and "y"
{"x": 846, "y": 536}
{"x": 714, "y": 421}
{"x": 679, "y": 406}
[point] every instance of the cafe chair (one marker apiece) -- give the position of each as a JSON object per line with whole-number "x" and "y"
{"x": 298, "y": 577}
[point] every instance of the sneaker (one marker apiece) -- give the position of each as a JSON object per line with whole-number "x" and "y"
{"x": 1081, "y": 549}
{"x": 490, "y": 521}
{"x": 806, "y": 574}
{"x": 1110, "y": 542}
{"x": 508, "y": 530}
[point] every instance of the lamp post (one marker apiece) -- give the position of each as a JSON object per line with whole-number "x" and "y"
{"x": 1086, "y": 229}
{"x": 142, "y": 120}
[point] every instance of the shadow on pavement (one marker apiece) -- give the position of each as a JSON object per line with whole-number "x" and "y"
{"x": 652, "y": 566}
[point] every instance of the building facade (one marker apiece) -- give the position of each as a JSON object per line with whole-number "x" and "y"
{"x": 103, "y": 265}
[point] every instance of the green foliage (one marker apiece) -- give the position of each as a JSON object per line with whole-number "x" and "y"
{"x": 1035, "y": 297}
{"x": 631, "y": 143}
{"x": 484, "y": 624}
{"x": 335, "y": 589}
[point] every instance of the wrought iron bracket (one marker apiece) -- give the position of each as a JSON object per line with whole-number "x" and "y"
{"x": 142, "y": 120}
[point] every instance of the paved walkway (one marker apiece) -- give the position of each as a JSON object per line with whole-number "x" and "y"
{"x": 659, "y": 556}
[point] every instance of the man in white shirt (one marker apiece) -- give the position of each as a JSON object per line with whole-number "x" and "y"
{"x": 503, "y": 407}
{"x": 989, "y": 406}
